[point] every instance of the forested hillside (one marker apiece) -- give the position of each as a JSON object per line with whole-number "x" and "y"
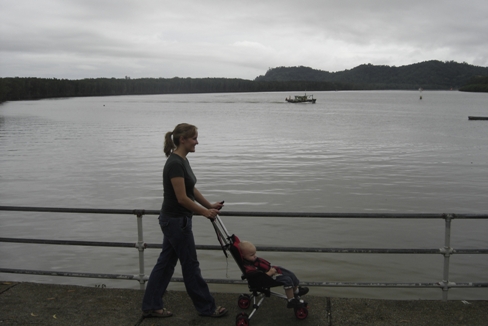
{"x": 476, "y": 84}
{"x": 428, "y": 75}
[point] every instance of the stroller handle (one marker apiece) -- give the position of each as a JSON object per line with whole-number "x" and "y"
{"x": 217, "y": 218}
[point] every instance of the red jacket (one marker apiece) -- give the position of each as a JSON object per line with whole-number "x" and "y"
{"x": 259, "y": 264}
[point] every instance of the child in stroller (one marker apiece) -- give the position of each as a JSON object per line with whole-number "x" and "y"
{"x": 258, "y": 277}
{"x": 252, "y": 264}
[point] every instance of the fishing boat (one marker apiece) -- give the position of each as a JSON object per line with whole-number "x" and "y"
{"x": 301, "y": 99}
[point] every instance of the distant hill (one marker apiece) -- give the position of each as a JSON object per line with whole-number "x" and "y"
{"x": 428, "y": 75}
{"x": 476, "y": 84}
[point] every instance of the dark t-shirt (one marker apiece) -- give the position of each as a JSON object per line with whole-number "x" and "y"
{"x": 176, "y": 166}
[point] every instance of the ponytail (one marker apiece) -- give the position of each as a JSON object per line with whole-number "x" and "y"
{"x": 169, "y": 146}
{"x": 172, "y": 138}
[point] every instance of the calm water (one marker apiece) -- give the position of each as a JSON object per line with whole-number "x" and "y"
{"x": 350, "y": 152}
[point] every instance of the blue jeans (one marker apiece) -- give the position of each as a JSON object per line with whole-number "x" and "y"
{"x": 287, "y": 278}
{"x": 178, "y": 243}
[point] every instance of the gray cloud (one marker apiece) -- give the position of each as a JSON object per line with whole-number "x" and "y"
{"x": 215, "y": 38}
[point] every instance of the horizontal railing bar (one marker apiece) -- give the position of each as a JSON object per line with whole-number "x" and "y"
{"x": 78, "y": 210}
{"x": 71, "y": 242}
{"x": 231, "y": 281}
{"x": 470, "y": 251}
{"x": 71, "y": 274}
{"x": 357, "y": 215}
{"x": 268, "y": 249}
{"x": 326, "y": 250}
{"x": 253, "y": 214}
{"x": 351, "y": 250}
{"x": 396, "y": 285}
{"x": 372, "y": 250}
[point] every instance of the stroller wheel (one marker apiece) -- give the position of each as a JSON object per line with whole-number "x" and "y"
{"x": 242, "y": 319}
{"x": 244, "y": 301}
{"x": 301, "y": 313}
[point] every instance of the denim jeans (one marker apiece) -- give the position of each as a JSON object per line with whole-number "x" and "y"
{"x": 178, "y": 243}
{"x": 287, "y": 278}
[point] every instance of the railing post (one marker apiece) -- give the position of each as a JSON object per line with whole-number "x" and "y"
{"x": 446, "y": 251}
{"x": 140, "y": 247}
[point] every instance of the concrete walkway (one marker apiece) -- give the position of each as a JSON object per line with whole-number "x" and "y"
{"x": 47, "y": 304}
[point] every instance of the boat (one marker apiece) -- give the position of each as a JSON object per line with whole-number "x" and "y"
{"x": 301, "y": 99}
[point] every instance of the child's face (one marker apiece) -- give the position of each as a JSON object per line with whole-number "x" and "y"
{"x": 249, "y": 252}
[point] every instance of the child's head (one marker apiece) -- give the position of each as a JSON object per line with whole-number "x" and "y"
{"x": 248, "y": 250}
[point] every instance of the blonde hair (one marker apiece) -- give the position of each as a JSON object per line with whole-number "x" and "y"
{"x": 246, "y": 245}
{"x": 172, "y": 138}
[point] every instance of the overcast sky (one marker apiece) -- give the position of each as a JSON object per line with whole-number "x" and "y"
{"x": 78, "y": 39}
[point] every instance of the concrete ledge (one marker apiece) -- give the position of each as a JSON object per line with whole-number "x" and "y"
{"x": 47, "y": 304}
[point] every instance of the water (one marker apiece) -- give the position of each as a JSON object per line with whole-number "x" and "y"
{"x": 350, "y": 152}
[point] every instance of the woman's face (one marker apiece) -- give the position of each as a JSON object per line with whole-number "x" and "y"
{"x": 190, "y": 143}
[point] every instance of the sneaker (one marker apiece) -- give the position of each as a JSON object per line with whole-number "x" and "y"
{"x": 302, "y": 291}
{"x": 295, "y": 303}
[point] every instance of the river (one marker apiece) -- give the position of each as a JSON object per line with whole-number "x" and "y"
{"x": 351, "y": 152}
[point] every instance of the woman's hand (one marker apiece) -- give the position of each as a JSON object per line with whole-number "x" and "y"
{"x": 217, "y": 205}
{"x": 211, "y": 213}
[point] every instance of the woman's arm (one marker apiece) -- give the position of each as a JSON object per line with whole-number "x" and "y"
{"x": 200, "y": 199}
{"x": 204, "y": 202}
{"x": 180, "y": 191}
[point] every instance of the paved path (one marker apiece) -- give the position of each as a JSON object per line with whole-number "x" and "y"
{"x": 47, "y": 304}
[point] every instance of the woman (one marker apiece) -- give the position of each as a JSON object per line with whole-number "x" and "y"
{"x": 180, "y": 200}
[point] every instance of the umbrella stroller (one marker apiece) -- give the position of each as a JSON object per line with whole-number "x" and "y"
{"x": 259, "y": 283}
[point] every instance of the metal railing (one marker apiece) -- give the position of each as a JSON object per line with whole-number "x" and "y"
{"x": 140, "y": 245}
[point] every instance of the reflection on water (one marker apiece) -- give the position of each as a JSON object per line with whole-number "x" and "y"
{"x": 350, "y": 152}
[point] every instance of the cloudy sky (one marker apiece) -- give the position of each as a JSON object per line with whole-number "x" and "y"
{"x": 78, "y": 39}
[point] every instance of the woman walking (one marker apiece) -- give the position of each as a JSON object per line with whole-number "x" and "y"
{"x": 181, "y": 200}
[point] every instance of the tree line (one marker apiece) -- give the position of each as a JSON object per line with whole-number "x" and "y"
{"x": 13, "y": 89}
{"x": 427, "y": 75}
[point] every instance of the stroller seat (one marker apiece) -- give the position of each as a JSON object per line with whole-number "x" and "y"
{"x": 259, "y": 283}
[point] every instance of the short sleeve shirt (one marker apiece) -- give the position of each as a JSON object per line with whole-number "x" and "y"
{"x": 176, "y": 166}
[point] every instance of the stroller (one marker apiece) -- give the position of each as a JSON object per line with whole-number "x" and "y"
{"x": 259, "y": 283}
